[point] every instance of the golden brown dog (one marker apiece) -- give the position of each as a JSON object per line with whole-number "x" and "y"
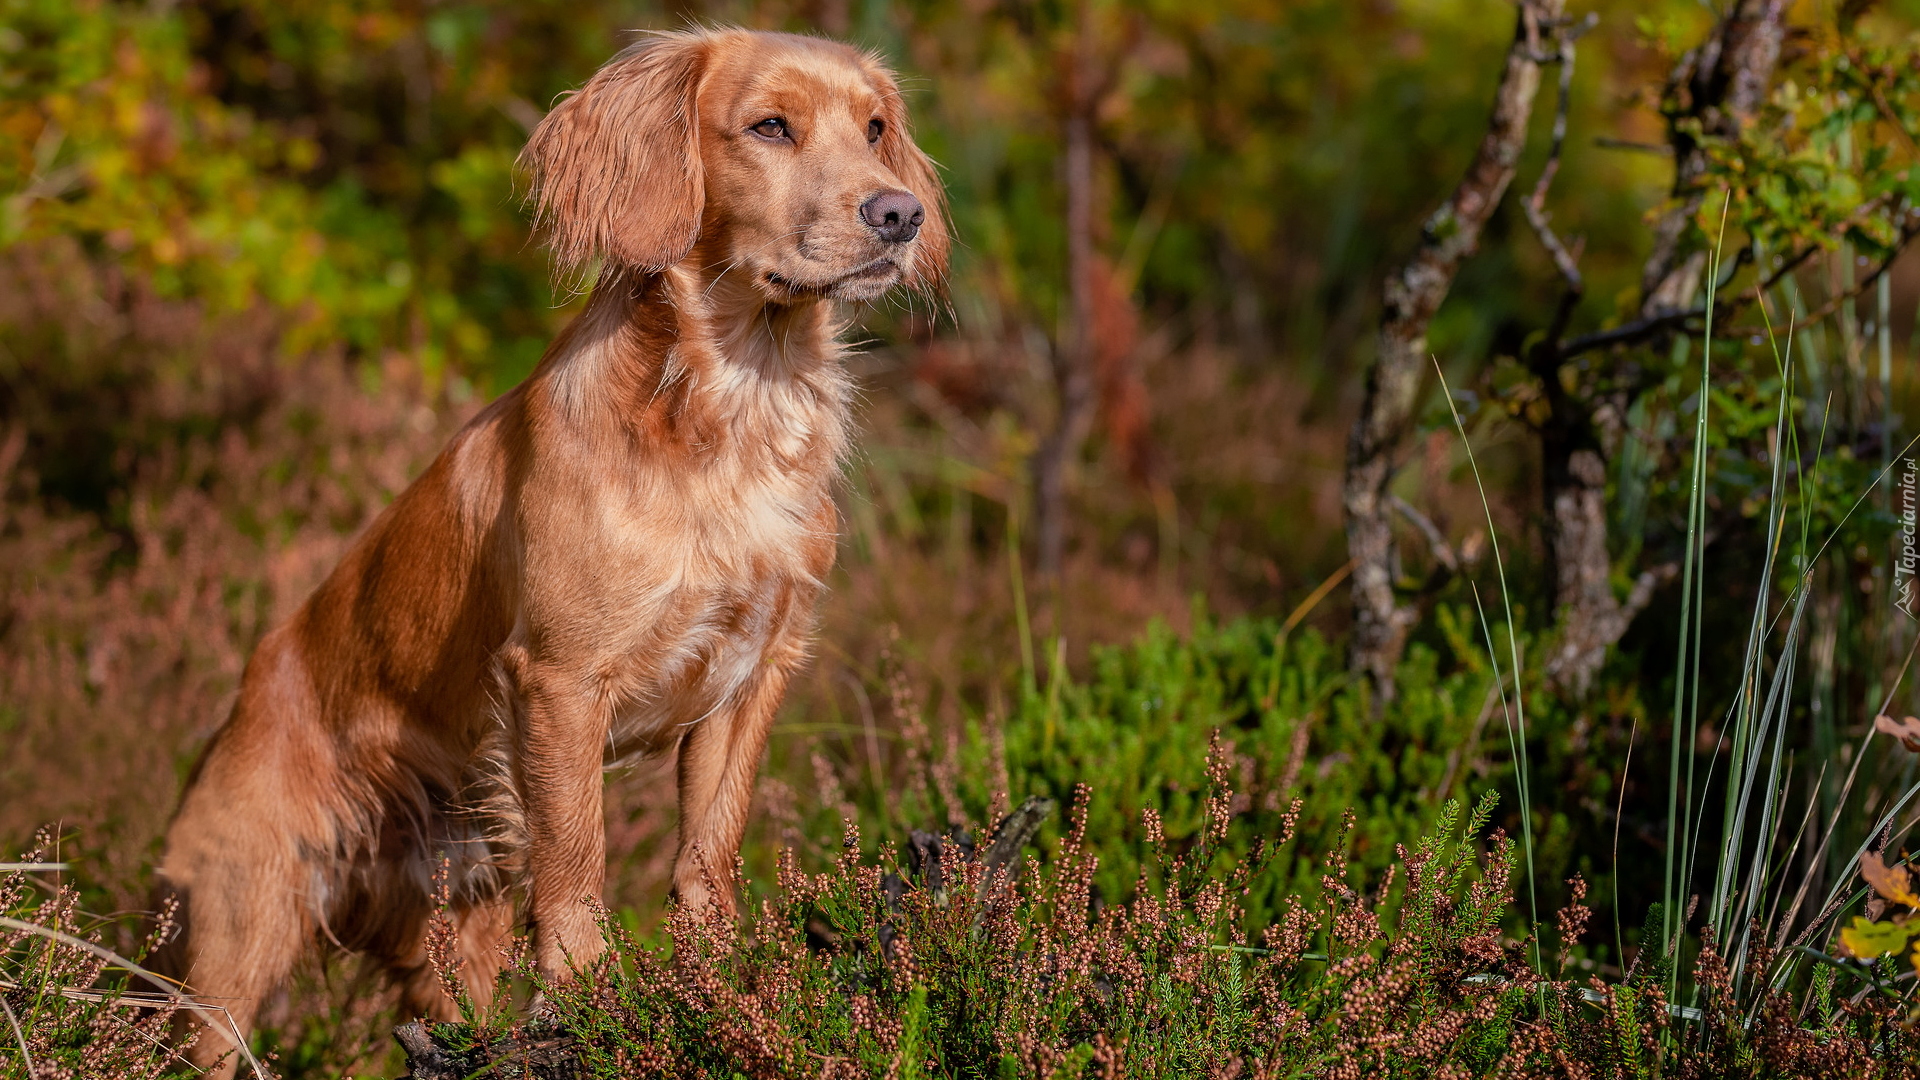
{"x": 619, "y": 557}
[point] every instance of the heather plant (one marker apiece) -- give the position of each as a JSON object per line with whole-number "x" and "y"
{"x": 948, "y": 963}
{"x": 72, "y": 1006}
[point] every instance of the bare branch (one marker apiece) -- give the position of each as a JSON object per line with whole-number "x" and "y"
{"x": 1413, "y": 294}
{"x": 1567, "y": 262}
{"x": 1640, "y": 330}
{"x": 1643, "y": 586}
{"x": 1833, "y": 304}
{"x": 1892, "y": 118}
{"x": 1442, "y": 551}
{"x": 1607, "y": 142}
{"x": 1535, "y": 204}
{"x": 1628, "y": 333}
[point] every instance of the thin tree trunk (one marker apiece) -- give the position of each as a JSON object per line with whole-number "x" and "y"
{"x": 1592, "y": 620}
{"x": 1721, "y": 85}
{"x": 1073, "y": 354}
{"x": 1413, "y": 294}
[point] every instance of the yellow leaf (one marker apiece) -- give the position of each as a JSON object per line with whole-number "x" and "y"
{"x": 1866, "y": 939}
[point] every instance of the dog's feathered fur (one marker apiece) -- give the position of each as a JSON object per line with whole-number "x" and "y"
{"x": 619, "y": 557}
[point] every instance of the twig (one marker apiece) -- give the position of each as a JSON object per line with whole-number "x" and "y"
{"x": 1608, "y": 142}
{"x": 1886, "y": 110}
{"x": 26, "y": 1055}
{"x": 1457, "y": 754}
{"x": 1442, "y": 550}
{"x": 1304, "y": 607}
{"x": 1619, "y": 812}
{"x": 1535, "y": 205}
{"x": 125, "y": 1000}
{"x": 1643, "y": 587}
{"x": 130, "y": 999}
{"x": 1833, "y": 304}
{"x": 1641, "y": 329}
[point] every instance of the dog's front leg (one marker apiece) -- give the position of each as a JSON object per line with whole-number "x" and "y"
{"x": 718, "y": 760}
{"x": 557, "y": 760}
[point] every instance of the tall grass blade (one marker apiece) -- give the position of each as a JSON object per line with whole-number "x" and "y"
{"x": 1517, "y": 725}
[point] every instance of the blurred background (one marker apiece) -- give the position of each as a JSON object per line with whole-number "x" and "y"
{"x": 260, "y": 258}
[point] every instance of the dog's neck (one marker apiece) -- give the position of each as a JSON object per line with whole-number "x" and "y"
{"x": 776, "y": 339}
{"x": 703, "y": 362}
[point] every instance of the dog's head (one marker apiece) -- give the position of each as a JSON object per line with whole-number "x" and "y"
{"x": 784, "y": 159}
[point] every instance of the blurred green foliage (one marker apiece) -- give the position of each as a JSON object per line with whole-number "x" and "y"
{"x": 350, "y": 161}
{"x": 348, "y": 165}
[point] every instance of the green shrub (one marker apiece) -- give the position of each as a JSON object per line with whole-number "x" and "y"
{"x": 1139, "y": 729}
{"x": 1291, "y": 725}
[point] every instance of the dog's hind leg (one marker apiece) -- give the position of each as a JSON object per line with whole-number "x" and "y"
{"x": 391, "y": 908}
{"x": 245, "y": 917}
{"x": 251, "y": 856}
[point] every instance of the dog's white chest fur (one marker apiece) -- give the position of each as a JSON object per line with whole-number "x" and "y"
{"x": 713, "y": 557}
{"x": 722, "y": 585}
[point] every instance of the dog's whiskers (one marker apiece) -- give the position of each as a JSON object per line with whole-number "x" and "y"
{"x": 738, "y": 259}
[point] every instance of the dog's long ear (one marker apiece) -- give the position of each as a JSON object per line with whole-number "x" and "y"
{"x": 900, "y": 154}
{"x": 616, "y": 167}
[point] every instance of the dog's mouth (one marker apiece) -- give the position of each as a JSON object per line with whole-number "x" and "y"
{"x": 877, "y": 270}
{"x": 866, "y": 282}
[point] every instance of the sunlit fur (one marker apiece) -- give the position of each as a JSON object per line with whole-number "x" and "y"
{"x": 620, "y": 557}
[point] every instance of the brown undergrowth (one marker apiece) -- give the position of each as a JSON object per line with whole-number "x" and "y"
{"x": 153, "y": 529}
{"x": 68, "y": 1013}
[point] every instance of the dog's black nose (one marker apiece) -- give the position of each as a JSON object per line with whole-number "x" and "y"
{"x": 895, "y": 215}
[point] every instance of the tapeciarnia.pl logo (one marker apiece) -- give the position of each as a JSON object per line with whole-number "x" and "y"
{"x": 1906, "y": 560}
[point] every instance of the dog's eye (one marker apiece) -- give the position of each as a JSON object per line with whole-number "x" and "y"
{"x": 772, "y": 127}
{"x": 875, "y": 129}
